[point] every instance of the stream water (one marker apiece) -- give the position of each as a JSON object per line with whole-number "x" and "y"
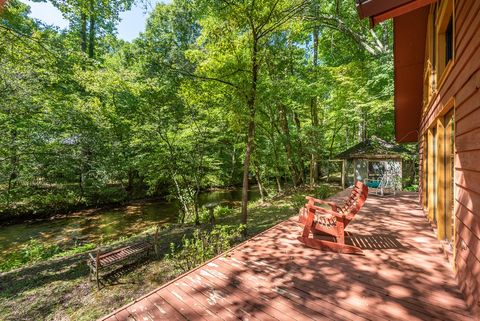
{"x": 106, "y": 225}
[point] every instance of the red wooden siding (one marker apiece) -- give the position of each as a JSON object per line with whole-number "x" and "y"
{"x": 463, "y": 84}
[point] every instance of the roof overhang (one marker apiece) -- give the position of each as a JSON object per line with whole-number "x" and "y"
{"x": 381, "y": 10}
{"x": 410, "y": 30}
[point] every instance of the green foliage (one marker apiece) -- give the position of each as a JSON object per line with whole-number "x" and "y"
{"x": 167, "y": 114}
{"x": 320, "y": 192}
{"x": 203, "y": 245}
{"x": 298, "y": 201}
{"x": 34, "y": 251}
{"x": 323, "y": 191}
{"x": 218, "y": 212}
{"x": 222, "y": 211}
{"x": 411, "y": 188}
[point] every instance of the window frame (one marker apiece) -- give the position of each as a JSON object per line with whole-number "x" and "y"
{"x": 444, "y": 16}
{"x": 436, "y": 69}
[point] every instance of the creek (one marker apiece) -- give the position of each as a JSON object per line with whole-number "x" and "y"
{"x": 103, "y": 225}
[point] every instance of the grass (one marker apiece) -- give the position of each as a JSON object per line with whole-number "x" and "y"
{"x": 58, "y": 288}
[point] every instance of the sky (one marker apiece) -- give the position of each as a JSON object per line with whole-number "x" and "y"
{"x": 131, "y": 24}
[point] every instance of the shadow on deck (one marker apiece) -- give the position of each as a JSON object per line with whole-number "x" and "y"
{"x": 402, "y": 276}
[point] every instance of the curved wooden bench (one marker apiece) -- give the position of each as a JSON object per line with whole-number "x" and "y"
{"x": 331, "y": 222}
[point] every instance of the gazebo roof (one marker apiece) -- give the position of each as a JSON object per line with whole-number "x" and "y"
{"x": 374, "y": 148}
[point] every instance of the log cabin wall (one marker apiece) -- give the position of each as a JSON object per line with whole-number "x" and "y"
{"x": 452, "y": 108}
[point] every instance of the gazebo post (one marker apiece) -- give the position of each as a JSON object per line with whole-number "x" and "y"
{"x": 401, "y": 174}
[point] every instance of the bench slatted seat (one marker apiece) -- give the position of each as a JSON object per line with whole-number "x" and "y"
{"x": 103, "y": 260}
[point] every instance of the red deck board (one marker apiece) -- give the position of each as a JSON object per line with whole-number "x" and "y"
{"x": 402, "y": 275}
{"x": 249, "y": 307}
{"x": 395, "y": 291}
{"x": 181, "y": 305}
{"x": 195, "y": 301}
{"x": 293, "y": 301}
{"x": 207, "y": 296}
{"x": 164, "y": 310}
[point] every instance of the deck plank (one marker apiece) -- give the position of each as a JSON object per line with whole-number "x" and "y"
{"x": 163, "y": 310}
{"x": 402, "y": 275}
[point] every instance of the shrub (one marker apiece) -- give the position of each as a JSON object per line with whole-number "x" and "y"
{"x": 411, "y": 188}
{"x": 221, "y": 211}
{"x": 204, "y": 215}
{"x": 32, "y": 251}
{"x": 35, "y": 251}
{"x": 298, "y": 201}
{"x": 202, "y": 246}
{"x": 322, "y": 192}
{"x": 77, "y": 249}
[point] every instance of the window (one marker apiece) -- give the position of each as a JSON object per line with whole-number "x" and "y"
{"x": 449, "y": 42}
{"x": 439, "y": 49}
{"x": 445, "y": 25}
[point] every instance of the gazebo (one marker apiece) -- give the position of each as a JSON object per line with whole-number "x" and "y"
{"x": 370, "y": 160}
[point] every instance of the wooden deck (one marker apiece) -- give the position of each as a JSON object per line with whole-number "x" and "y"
{"x": 402, "y": 276}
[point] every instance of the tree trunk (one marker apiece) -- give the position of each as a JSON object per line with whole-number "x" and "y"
{"x": 91, "y": 32}
{"x": 13, "y": 164}
{"x": 288, "y": 145}
{"x": 234, "y": 161}
{"x": 131, "y": 183}
{"x": 259, "y": 181}
{"x": 364, "y": 125}
{"x": 332, "y": 142}
{"x": 195, "y": 201}
{"x": 83, "y": 32}
{"x": 251, "y": 129}
{"x": 277, "y": 168}
{"x": 314, "y": 114}
{"x": 180, "y": 198}
{"x": 301, "y": 163}
{"x": 246, "y": 166}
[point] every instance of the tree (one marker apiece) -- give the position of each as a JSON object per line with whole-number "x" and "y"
{"x": 244, "y": 28}
{"x": 90, "y": 18}
{"x": 212, "y": 94}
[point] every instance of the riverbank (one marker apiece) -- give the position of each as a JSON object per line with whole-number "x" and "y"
{"x": 11, "y": 217}
{"x": 30, "y": 213}
{"x": 59, "y": 289}
{"x": 40, "y": 239}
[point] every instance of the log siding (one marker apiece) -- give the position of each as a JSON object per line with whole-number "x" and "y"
{"x": 462, "y": 83}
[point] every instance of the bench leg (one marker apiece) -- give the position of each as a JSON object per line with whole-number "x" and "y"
{"x": 91, "y": 271}
{"x": 96, "y": 275}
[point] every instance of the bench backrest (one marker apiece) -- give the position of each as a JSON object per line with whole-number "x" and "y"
{"x": 355, "y": 201}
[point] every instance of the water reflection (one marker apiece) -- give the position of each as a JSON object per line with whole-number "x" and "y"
{"x": 106, "y": 225}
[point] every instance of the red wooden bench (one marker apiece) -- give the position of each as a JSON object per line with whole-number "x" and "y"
{"x": 331, "y": 222}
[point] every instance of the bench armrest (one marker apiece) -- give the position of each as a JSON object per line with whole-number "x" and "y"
{"x": 333, "y": 205}
{"x": 92, "y": 257}
{"x": 326, "y": 211}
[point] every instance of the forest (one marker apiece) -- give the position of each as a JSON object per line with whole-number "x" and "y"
{"x": 213, "y": 94}
{"x": 100, "y": 136}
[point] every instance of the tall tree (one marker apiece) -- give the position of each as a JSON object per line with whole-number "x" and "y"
{"x": 240, "y": 25}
